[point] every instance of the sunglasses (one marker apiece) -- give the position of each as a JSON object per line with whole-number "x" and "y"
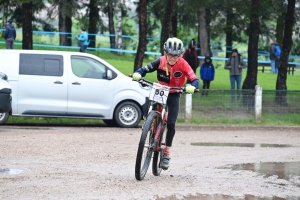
{"x": 173, "y": 56}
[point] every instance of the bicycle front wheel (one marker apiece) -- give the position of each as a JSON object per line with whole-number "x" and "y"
{"x": 145, "y": 151}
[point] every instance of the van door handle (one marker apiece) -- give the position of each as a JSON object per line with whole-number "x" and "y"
{"x": 76, "y": 83}
{"x": 58, "y": 82}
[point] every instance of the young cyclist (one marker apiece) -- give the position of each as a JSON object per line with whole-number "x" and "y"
{"x": 172, "y": 70}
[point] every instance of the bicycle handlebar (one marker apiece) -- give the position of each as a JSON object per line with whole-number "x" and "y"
{"x": 145, "y": 82}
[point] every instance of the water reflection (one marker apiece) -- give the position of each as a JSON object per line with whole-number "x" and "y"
{"x": 35, "y": 128}
{"x": 287, "y": 170}
{"x": 256, "y": 145}
{"x": 224, "y": 197}
{"x": 10, "y": 171}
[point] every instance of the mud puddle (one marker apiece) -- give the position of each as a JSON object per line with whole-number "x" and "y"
{"x": 224, "y": 197}
{"x": 254, "y": 145}
{"x": 7, "y": 171}
{"x": 283, "y": 170}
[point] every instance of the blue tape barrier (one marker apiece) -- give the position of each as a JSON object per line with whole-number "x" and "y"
{"x": 134, "y": 51}
{"x": 52, "y": 33}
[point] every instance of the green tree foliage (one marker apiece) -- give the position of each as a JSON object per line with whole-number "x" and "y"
{"x": 13, "y": 10}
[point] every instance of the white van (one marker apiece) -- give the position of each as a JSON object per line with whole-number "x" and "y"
{"x": 71, "y": 85}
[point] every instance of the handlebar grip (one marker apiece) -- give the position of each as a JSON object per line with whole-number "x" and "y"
{"x": 195, "y": 91}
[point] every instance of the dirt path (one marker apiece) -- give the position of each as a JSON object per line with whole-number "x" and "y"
{"x": 98, "y": 163}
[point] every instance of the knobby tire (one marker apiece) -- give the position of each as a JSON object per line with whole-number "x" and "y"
{"x": 148, "y": 132}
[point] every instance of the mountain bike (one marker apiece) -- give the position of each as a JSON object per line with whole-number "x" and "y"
{"x": 152, "y": 141}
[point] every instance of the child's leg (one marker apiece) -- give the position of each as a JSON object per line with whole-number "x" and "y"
{"x": 207, "y": 86}
{"x": 203, "y": 87}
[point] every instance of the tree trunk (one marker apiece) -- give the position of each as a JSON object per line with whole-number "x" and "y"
{"x": 251, "y": 77}
{"x": 165, "y": 30}
{"x": 203, "y": 33}
{"x": 286, "y": 48}
{"x": 65, "y": 22}
{"x": 138, "y": 62}
{"x": 93, "y": 20}
{"x": 111, "y": 26}
{"x": 280, "y": 28}
{"x": 5, "y": 12}
{"x": 208, "y": 20}
{"x": 174, "y": 23}
{"x": 119, "y": 25}
{"x": 27, "y": 25}
{"x": 4, "y": 16}
{"x": 228, "y": 31}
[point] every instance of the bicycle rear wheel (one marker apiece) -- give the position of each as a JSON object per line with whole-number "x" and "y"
{"x": 145, "y": 151}
{"x": 157, "y": 156}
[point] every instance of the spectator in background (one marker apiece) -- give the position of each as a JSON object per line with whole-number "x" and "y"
{"x": 191, "y": 56}
{"x": 10, "y": 35}
{"x": 235, "y": 64}
{"x": 207, "y": 74}
{"x": 83, "y": 40}
{"x": 273, "y": 58}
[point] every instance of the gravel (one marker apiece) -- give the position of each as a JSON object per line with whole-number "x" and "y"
{"x": 98, "y": 163}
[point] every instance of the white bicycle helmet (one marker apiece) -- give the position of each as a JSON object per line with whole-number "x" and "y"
{"x": 174, "y": 46}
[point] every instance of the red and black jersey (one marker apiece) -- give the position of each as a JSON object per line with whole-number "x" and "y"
{"x": 172, "y": 76}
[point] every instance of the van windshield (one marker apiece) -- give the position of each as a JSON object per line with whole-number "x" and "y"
{"x": 84, "y": 67}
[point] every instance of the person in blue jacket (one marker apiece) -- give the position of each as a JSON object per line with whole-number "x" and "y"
{"x": 83, "y": 40}
{"x": 207, "y": 74}
{"x": 10, "y": 35}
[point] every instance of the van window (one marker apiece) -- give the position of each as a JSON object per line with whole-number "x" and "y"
{"x": 41, "y": 64}
{"x": 84, "y": 67}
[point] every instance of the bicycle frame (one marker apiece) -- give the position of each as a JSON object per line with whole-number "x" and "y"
{"x": 163, "y": 115}
{"x": 158, "y": 97}
{"x": 158, "y": 103}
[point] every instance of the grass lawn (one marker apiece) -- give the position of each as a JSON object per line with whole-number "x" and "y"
{"x": 267, "y": 80}
{"x": 125, "y": 64}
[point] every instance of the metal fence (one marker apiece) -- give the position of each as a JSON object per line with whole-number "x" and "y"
{"x": 281, "y": 102}
{"x": 226, "y": 106}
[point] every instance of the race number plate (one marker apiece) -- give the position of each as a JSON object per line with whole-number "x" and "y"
{"x": 159, "y": 93}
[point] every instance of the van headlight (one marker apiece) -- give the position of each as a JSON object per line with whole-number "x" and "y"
{"x": 3, "y": 76}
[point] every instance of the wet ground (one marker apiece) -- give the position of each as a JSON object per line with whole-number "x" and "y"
{"x": 209, "y": 163}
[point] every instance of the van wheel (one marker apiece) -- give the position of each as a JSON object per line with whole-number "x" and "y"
{"x": 110, "y": 122}
{"x": 3, "y": 117}
{"x": 127, "y": 114}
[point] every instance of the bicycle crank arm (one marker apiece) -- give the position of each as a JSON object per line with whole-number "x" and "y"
{"x": 153, "y": 144}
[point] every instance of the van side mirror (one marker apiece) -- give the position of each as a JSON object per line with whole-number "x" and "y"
{"x": 109, "y": 74}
